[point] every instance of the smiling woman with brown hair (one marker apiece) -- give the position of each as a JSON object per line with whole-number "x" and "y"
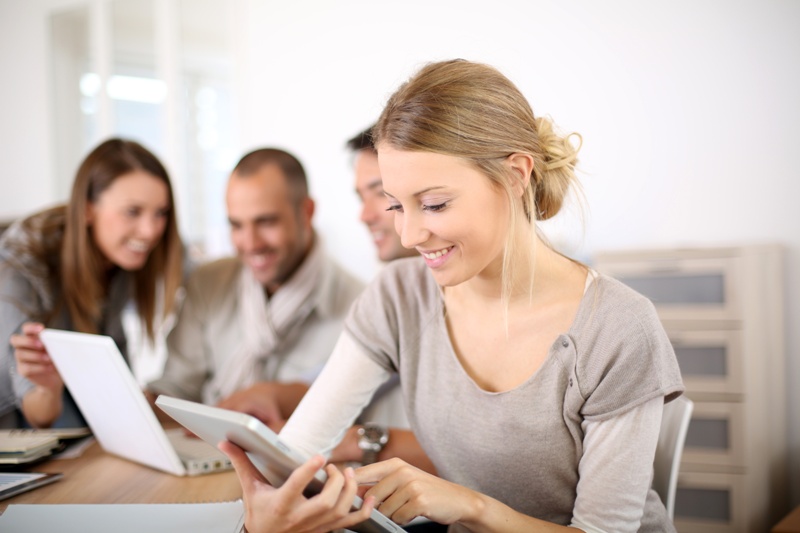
{"x": 76, "y": 266}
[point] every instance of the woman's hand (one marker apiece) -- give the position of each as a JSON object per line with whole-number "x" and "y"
{"x": 402, "y": 443}
{"x": 42, "y": 404}
{"x": 404, "y": 492}
{"x": 33, "y": 362}
{"x": 286, "y": 509}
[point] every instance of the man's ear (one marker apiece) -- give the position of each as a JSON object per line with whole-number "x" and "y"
{"x": 521, "y": 166}
{"x": 307, "y": 209}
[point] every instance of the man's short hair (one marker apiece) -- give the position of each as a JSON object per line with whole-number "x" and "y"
{"x": 362, "y": 141}
{"x": 291, "y": 167}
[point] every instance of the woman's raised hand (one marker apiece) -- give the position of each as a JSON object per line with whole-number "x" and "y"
{"x": 33, "y": 362}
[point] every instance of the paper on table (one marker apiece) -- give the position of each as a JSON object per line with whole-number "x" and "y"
{"x": 75, "y": 448}
{"x": 13, "y": 442}
{"x": 222, "y": 517}
{"x": 59, "y": 433}
{"x": 26, "y": 445}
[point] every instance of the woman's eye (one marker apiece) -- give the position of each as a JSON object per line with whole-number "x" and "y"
{"x": 434, "y": 208}
{"x": 398, "y": 208}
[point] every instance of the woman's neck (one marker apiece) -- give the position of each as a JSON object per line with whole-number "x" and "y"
{"x": 536, "y": 273}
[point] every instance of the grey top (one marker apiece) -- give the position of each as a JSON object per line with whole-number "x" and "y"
{"x": 30, "y": 292}
{"x": 562, "y": 442}
{"x": 522, "y": 446}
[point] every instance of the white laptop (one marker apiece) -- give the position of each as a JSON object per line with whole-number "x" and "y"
{"x": 117, "y": 411}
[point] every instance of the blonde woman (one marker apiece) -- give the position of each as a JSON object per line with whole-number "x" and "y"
{"x": 76, "y": 266}
{"x": 535, "y": 385}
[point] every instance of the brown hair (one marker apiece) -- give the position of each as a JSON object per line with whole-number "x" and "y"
{"x": 293, "y": 170}
{"x": 362, "y": 141}
{"x": 82, "y": 271}
{"x": 472, "y": 111}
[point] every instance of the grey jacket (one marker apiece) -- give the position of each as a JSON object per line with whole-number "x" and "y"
{"x": 30, "y": 292}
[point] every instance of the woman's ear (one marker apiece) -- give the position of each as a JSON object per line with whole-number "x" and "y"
{"x": 89, "y": 213}
{"x": 521, "y": 166}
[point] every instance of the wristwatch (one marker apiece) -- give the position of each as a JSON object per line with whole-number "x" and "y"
{"x": 371, "y": 440}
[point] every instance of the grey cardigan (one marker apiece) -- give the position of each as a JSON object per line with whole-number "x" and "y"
{"x": 30, "y": 292}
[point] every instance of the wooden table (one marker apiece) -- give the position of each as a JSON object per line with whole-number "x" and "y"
{"x": 789, "y": 524}
{"x": 98, "y": 477}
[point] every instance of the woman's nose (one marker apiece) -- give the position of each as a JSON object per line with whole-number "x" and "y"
{"x": 411, "y": 227}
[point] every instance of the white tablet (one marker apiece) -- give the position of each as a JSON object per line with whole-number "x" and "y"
{"x": 273, "y": 457}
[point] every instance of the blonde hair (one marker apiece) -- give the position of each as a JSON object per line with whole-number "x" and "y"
{"x": 82, "y": 272}
{"x": 472, "y": 111}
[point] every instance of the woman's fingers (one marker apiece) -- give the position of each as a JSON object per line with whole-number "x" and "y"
{"x": 28, "y": 338}
{"x": 344, "y": 502}
{"x": 29, "y": 345}
{"x": 371, "y": 474}
{"x": 343, "y": 488}
{"x": 32, "y": 328}
{"x": 28, "y": 348}
{"x": 32, "y": 359}
{"x": 286, "y": 508}
{"x": 350, "y": 492}
{"x": 400, "y": 490}
{"x": 303, "y": 474}
{"x": 246, "y": 471}
{"x": 330, "y": 495}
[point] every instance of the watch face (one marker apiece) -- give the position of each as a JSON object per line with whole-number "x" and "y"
{"x": 372, "y": 437}
{"x": 373, "y": 434}
{"x": 371, "y": 440}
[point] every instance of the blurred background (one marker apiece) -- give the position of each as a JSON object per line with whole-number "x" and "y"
{"x": 689, "y": 111}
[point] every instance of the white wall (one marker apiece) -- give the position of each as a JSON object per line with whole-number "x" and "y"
{"x": 688, "y": 110}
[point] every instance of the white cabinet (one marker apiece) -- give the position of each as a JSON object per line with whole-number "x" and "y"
{"x": 723, "y": 311}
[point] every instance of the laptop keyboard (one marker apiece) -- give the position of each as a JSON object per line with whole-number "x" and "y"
{"x": 191, "y": 447}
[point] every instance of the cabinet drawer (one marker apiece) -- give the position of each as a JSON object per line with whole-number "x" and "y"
{"x": 709, "y": 503}
{"x": 697, "y": 288}
{"x": 710, "y": 361}
{"x": 715, "y": 435}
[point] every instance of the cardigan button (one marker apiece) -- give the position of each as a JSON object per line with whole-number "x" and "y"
{"x": 565, "y": 343}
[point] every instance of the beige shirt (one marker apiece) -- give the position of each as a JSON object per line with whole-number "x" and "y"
{"x": 210, "y": 327}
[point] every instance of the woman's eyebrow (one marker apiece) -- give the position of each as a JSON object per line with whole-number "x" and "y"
{"x": 418, "y": 193}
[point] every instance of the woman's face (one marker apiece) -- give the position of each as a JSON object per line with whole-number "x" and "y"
{"x": 448, "y": 211}
{"x": 128, "y": 219}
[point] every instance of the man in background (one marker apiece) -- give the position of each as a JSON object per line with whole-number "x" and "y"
{"x": 374, "y": 204}
{"x": 254, "y": 330}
